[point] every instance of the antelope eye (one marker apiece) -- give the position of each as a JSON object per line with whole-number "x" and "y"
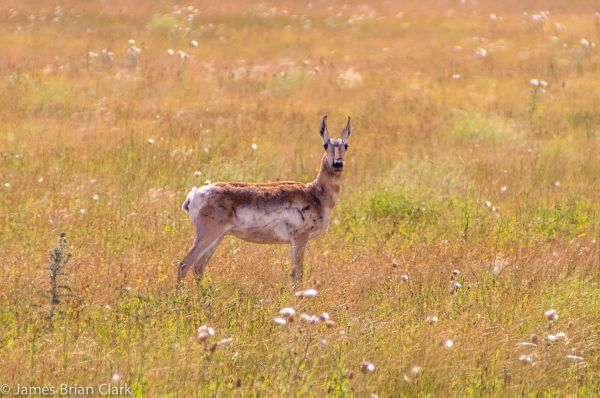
{"x": 346, "y": 146}
{"x": 325, "y": 145}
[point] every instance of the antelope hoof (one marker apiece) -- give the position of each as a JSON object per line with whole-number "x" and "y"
{"x": 296, "y": 275}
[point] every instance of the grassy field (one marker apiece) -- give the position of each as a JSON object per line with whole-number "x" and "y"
{"x": 475, "y": 148}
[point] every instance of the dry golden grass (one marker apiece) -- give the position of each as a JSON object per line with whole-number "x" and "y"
{"x": 456, "y": 162}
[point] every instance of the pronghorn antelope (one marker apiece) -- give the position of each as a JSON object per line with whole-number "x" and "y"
{"x": 272, "y": 212}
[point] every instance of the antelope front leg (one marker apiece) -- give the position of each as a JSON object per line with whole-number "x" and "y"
{"x": 298, "y": 247}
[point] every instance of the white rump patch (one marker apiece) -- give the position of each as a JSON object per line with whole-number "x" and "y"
{"x": 195, "y": 200}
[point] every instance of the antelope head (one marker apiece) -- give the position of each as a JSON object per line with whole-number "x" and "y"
{"x": 335, "y": 148}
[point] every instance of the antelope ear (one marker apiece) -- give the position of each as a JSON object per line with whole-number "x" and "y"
{"x": 323, "y": 130}
{"x": 347, "y": 130}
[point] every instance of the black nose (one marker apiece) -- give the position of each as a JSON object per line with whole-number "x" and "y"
{"x": 338, "y": 164}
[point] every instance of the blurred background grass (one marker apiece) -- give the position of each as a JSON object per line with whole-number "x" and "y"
{"x": 457, "y": 161}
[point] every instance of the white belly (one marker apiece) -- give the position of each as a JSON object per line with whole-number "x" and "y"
{"x": 267, "y": 226}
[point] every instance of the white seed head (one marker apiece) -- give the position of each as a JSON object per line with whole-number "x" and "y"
{"x": 367, "y": 367}
{"x": 481, "y": 52}
{"x": 551, "y": 314}
{"x": 575, "y": 358}
{"x": 279, "y": 321}
{"x": 287, "y": 312}
{"x": 312, "y": 319}
{"x": 503, "y": 188}
{"x": 197, "y": 173}
{"x": 561, "y": 336}
{"x": 131, "y": 42}
{"x": 448, "y": 344}
{"x": 544, "y": 84}
{"x": 254, "y": 147}
{"x": 204, "y": 332}
{"x": 170, "y": 51}
{"x": 534, "y": 82}
{"x": 96, "y": 197}
{"x": 432, "y": 320}
{"x": 526, "y": 359}
{"x": 493, "y": 17}
{"x": 324, "y": 317}
{"x": 194, "y": 43}
{"x": 526, "y": 344}
{"x": 584, "y": 43}
{"x": 455, "y": 272}
{"x": 151, "y": 141}
{"x": 416, "y": 370}
{"x": 225, "y": 341}
{"x": 82, "y": 211}
{"x": 116, "y": 378}
{"x": 308, "y": 293}
{"x": 404, "y": 278}
{"x": 551, "y": 338}
{"x": 456, "y": 76}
